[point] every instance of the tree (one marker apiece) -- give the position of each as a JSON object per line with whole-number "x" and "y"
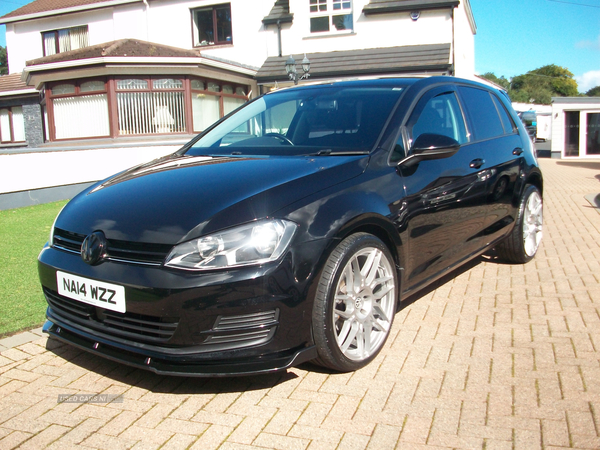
{"x": 491, "y": 76}
{"x": 540, "y": 85}
{"x": 593, "y": 92}
{"x": 3, "y": 61}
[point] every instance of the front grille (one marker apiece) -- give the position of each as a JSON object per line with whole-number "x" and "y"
{"x": 259, "y": 319}
{"x": 135, "y": 327}
{"x": 244, "y": 330}
{"x": 119, "y": 251}
{"x": 67, "y": 240}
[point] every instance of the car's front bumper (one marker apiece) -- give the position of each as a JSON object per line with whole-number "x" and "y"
{"x": 252, "y": 320}
{"x": 231, "y": 367}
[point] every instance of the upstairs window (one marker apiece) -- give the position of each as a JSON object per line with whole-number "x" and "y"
{"x": 58, "y": 41}
{"x": 212, "y": 25}
{"x": 330, "y": 16}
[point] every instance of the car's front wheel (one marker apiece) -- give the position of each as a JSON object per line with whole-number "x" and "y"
{"x": 522, "y": 244}
{"x": 355, "y": 303}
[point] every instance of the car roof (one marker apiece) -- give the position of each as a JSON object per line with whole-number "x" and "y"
{"x": 423, "y": 81}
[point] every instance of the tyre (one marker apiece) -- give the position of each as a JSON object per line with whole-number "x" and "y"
{"x": 522, "y": 243}
{"x": 355, "y": 303}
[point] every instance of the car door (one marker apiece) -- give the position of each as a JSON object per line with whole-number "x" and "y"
{"x": 444, "y": 208}
{"x": 496, "y": 138}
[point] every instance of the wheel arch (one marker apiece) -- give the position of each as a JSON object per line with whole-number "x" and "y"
{"x": 380, "y": 227}
{"x": 535, "y": 179}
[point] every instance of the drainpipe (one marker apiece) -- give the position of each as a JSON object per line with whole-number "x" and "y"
{"x": 278, "y": 36}
{"x": 146, "y": 17}
{"x": 453, "y": 44}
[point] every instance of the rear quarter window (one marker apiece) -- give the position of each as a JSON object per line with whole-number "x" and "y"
{"x": 482, "y": 112}
{"x": 507, "y": 122}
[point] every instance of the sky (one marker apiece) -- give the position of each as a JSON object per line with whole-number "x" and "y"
{"x": 516, "y": 36}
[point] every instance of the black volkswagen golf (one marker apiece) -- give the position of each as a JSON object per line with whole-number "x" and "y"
{"x": 291, "y": 230}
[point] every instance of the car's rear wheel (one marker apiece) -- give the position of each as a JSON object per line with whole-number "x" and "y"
{"x": 523, "y": 242}
{"x": 355, "y": 303}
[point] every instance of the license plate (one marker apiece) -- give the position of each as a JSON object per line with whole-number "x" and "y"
{"x": 97, "y": 293}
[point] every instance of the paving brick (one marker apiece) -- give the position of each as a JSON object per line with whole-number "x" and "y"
{"x": 316, "y": 433}
{"x": 212, "y": 438}
{"x": 352, "y": 441}
{"x": 248, "y": 430}
{"x": 281, "y": 442}
{"x": 282, "y": 422}
{"x": 104, "y": 442}
{"x": 44, "y": 438}
{"x": 152, "y": 436}
{"x": 179, "y": 441}
{"x": 119, "y": 423}
{"x": 14, "y": 439}
{"x": 314, "y": 414}
{"x": 75, "y": 436}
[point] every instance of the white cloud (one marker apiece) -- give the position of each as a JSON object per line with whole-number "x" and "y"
{"x": 588, "y": 80}
{"x": 593, "y": 45}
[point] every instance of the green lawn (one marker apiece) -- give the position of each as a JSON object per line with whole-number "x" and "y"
{"x": 23, "y": 233}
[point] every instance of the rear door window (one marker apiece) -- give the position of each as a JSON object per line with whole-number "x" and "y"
{"x": 482, "y": 113}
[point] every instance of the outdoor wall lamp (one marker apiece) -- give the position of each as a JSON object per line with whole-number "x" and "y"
{"x": 290, "y": 68}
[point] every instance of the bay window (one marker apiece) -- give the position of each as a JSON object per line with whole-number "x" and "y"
{"x": 136, "y": 106}
{"x": 80, "y": 109}
{"x": 153, "y": 105}
{"x": 212, "y": 100}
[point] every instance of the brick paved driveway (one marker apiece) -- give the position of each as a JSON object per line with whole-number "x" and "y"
{"x": 499, "y": 357}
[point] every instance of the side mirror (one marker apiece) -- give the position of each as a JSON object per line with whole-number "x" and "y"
{"x": 431, "y": 146}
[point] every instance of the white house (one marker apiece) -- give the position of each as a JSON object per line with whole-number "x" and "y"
{"x": 145, "y": 75}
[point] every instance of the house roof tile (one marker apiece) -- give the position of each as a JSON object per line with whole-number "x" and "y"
{"x": 122, "y": 47}
{"x": 389, "y": 6}
{"x": 279, "y": 13}
{"x": 43, "y": 6}
{"x": 405, "y": 59}
{"x": 12, "y": 84}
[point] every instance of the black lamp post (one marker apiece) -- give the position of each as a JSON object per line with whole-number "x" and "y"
{"x": 290, "y": 68}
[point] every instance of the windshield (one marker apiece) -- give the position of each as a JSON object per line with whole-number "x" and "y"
{"x": 323, "y": 119}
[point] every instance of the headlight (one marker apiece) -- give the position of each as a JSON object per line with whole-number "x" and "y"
{"x": 254, "y": 243}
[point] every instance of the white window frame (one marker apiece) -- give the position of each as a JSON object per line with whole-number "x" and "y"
{"x": 319, "y": 9}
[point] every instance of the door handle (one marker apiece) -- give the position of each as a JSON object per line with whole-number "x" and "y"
{"x": 517, "y": 151}
{"x": 477, "y": 163}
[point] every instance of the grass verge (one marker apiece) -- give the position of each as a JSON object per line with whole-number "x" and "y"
{"x": 23, "y": 233}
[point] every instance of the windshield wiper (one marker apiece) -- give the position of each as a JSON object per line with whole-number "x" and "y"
{"x": 329, "y": 152}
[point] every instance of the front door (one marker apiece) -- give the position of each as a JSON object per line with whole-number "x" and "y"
{"x": 445, "y": 203}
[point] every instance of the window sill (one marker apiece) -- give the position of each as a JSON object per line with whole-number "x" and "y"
{"x": 13, "y": 144}
{"x": 329, "y": 34}
{"x": 209, "y": 46}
